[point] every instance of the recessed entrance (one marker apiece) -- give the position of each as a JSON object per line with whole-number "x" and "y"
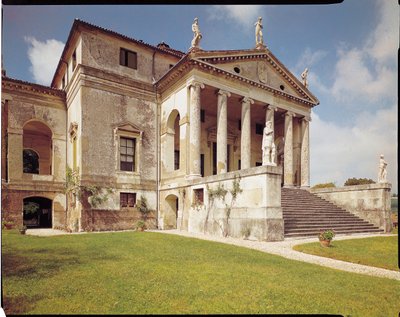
{"x": 171, "y": 212}
{"x": 37, "y": 212}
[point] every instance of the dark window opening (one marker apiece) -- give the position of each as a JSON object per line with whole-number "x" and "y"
{"x": 127, "y": 199}
{"x": 31, "y": 161}
{"x": 282, "y": 87}
{"x": 259, "y": 128}
{"x": 202, "y": 165}
{"x": 171, "y": 65}
{"x": 198, "y": 196}
{"x": 258, "y": 163}
{"x": 128, "y": 58}
{"x": 239, "y": 164}
{"x": 176, "y": 160}
{"x": 214, "y": 158}
{"x": 239, "y": 125}
{"x": 237, "y": 70}
{"x": 127, "y": 154}
{"x": 74, "y": 60}
{"x": 202, "y": 115}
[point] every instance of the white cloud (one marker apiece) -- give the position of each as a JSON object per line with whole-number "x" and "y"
{"x": 246, "y": 15}
{"x": 44, "y": 57}
{"x": 338, "y": 153}
{"x": 369, "y": 73}
{"x": 309, "y": 59}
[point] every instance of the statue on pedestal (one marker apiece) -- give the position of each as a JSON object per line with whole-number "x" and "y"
{"x": 268, "y": 145}
{"x": 304, "y": 79}
{"x": 196, "y": 34}
{"x": 382, "y": 170}
{"x": 259, "y": 34}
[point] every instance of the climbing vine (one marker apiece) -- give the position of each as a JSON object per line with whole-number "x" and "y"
{"x": 95, "y": 195}
{"x": 220, "y": 193}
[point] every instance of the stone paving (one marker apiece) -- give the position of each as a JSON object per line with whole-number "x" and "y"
{"x": 282, "y": 248}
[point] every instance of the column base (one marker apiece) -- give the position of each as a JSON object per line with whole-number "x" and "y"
{"x": 288, "y": 186}
{"x": 305, "y": 187}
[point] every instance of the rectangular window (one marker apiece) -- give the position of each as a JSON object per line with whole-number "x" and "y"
{"x": 239, "y": 124}
{"x": 214, "y": 158}
{"x": 258, "y": 163}
{"x": 239, "y": 164}
{"x": 259, "y": 128}
{"x": 127, "y": 199}
{"x": 198, "y": 196}
{"x": 127, "y": 154}
{"x": 128, "y": 58}
{"x": 73, "y": 60}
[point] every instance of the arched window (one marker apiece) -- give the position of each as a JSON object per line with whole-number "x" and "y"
{"x": 37, "y": 137}
{"x": 31, "y": 161}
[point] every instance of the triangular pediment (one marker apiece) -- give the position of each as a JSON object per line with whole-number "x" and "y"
{"x": 128, "y": 127}
{"x": 259, "y": 66}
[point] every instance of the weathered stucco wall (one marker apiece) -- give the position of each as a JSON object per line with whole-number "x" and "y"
{"x": 257, "y": 207}
{"x": 370, "y": 202}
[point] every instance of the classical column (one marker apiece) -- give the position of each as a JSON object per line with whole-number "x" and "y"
{"x": 288, "y": 170}
{"x": 195, "y": 129}
{"x": 222, "y": 131}
{"x": 245, "y": 139}
{"x": 269, "y": 114}
{"x": 305, "y": 152}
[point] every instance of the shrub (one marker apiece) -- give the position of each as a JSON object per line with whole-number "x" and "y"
{"x": 326, "y": 235}
{"x": 324, "y": 185}
{"x": 358, "y": 181}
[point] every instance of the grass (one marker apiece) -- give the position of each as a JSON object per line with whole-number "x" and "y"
{"x": 155, "y": 273}
{"x": 375, "y": 251}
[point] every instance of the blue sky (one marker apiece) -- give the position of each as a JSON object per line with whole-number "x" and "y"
{"x": 349, "y": 48}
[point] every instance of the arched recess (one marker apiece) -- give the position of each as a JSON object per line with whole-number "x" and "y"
{"x": 172, "y": 142}
{"x": 171, "y": 212}
{"x": 37, "y": 212}
{"x": 37, "y": 137}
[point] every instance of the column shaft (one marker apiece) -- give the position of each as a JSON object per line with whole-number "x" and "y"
{"x": 288, "y": 172}
{"x": 305, "y": 153}
{"x": 222, "y": 132}
{"x": 245, "y": 140}
{"x": 195, "y": 129}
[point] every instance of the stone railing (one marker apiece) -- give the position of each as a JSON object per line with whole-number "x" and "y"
{"x": 370, "y": 202}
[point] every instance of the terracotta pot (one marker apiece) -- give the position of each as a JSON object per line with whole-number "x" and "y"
{"x": 8, "y": 226}
{"x": 325, "y": 243}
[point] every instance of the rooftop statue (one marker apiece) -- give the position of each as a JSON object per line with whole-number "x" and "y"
{"x": 382, "y": 170}
{"x": 259, "y": 34}
{"x": 196, "y": 33}
{"x": 304, "y": 79}
{"x": 268, "y": 145}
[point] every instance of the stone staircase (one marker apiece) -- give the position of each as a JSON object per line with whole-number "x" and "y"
{"x": 306, "y": 214}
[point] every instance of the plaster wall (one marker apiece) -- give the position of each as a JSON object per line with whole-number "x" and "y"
{"x": 370, "y": 202}
{"x": 102, "y": 51}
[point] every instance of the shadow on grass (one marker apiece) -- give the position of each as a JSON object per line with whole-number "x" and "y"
{"x": 19, "y": 304}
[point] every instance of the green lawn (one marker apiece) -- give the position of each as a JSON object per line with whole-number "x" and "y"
{"x": 154, "y": 273}
{"x": 376, "y": 251}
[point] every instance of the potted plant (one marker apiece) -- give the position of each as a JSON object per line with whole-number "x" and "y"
{"x": 140, "y": 225}
{"x": 325, "y": 237}
{"x": 22, "y": 229}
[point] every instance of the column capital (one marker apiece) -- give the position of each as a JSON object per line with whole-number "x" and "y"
{"x": 290, "y": 114}
{"x": 270, "y": 107}
{"x": 195, "y": 83}
{"x": 247, "y": 100}
{"x": 306, "y": 118}
{"x": 223, "y": 92}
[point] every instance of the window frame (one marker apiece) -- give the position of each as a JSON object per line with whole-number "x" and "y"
{"x": 128, "y": 196}
{"x": 124, "y": 58}
{"x": 128, "y": 131}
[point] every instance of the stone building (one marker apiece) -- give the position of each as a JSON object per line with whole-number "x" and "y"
{"x": 182, "y": 130}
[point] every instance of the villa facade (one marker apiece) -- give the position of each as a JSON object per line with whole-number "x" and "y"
{"x": 182, "y": 130}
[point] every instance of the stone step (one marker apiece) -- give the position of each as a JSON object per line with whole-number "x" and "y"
{"x": 306, "y": 214}
{"x": 315, "y": 233}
